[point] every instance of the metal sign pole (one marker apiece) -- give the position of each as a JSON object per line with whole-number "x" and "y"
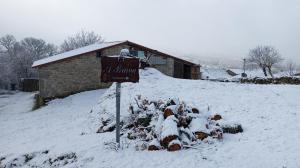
{"x": 119, "y": 69}
{"x": 118, "y": 101}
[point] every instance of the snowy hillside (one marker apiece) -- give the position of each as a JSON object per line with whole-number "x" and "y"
{"x": 63, "y": 133}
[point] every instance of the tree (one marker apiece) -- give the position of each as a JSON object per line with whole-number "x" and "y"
{"x": 38, "y": 48}
{"x": 271, "y": 57}
{"x": 8, "y": 67}
{"x": 8, "y": 42}
{"x": 17, "y": 57}
{"x": 256, "y": 56}
{"x": 5, "y": 72}
{"x": 81, "y": 39}
{"x": 265, "y": 57}
{"x": 291, "y": 68}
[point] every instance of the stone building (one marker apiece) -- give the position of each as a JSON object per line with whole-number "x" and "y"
{"x": 79, "y": 70}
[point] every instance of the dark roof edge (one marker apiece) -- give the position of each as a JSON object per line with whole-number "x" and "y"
{"x": 125, "y": 42}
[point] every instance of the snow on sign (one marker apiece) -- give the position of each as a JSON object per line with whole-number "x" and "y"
{"x": 119, "y": 69}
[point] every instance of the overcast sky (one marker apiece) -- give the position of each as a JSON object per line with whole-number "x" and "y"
{"x": 198, "y": 28}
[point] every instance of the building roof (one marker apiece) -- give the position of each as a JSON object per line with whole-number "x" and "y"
{"x": 75, "y": 52}
{"x": 91, "y": 48}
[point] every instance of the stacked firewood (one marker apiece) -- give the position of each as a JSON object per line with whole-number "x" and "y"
{"x": 170, "y": 124}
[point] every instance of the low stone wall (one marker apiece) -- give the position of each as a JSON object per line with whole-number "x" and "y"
{"x": 281, "y": 80}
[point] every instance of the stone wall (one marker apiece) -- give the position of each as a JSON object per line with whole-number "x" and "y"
{"x": 82, "y": 73}
{"x": 71, "y": 76}
{"x": 114, "y": 50}
{"x": 167, "y": 69}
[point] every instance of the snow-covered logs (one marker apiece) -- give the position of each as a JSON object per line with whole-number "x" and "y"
{"x": 169, "y": 131}
{"x": 171, "y": 125}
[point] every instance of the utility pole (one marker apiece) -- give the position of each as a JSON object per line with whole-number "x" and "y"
{"x": 244, "y": 75}
{"x": 244, "y": 66}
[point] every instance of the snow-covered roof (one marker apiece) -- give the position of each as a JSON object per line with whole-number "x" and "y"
{"x": 75, "y": 52}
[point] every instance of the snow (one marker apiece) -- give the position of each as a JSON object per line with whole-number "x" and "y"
{"x": 199, "y": 125}
{"x": 214, "y": 73}
{"x": 169, "y": 127}
{"x": 175, "y": 141}
{"x": 154, "y": 142}
{"x": 219, "y": 73}
{"x": 269, "y": 115}
{"x": 75, "y": 52}
{"x": 124, "y": 52}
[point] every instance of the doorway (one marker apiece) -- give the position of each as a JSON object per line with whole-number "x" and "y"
{"x": 186, "y": 71}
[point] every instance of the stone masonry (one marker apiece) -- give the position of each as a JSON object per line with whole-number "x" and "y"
{"x": 82, "y": 73}
{"x": 71, "y": 76}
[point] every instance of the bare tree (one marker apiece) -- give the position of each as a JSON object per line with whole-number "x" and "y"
{"x": 291, "y": 68}
{"x": 5, "y": 72}
{"x": 81, "y": 39}
{"x": 9, "y": 51}
{"x": 271, "y": 57}
{"x": 17, "y": 57}
{"x": 38, "y": 48}
{"x": 256, "y": 56}
{"x": 8, "y": 42}
{"x": 265, "y": 57}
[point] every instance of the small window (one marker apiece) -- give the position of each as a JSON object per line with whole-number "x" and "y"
{"x": 141, "y": 54}
{"x": 133, "y": 53}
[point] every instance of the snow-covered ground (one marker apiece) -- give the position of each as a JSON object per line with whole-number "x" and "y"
{"x": 269, "y": 115}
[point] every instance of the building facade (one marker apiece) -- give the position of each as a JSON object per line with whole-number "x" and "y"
{"x": 79, "y": 70}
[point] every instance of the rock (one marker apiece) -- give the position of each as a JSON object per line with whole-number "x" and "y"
{"x": 216, "y": 117}
{"x": 201, "y": 135}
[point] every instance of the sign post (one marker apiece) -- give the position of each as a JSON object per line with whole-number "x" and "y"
{"x": 119, "y": 69}
{"x": 118, "y": 102}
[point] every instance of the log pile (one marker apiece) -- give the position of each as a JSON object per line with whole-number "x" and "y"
{"x": 171, "y": 124}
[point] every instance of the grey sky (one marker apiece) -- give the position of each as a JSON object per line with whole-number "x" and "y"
{"x": 197, "y": 28}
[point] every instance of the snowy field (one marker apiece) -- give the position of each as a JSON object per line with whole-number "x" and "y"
{"x": 219, "y": 73}
{"x": 269, "y": 114}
